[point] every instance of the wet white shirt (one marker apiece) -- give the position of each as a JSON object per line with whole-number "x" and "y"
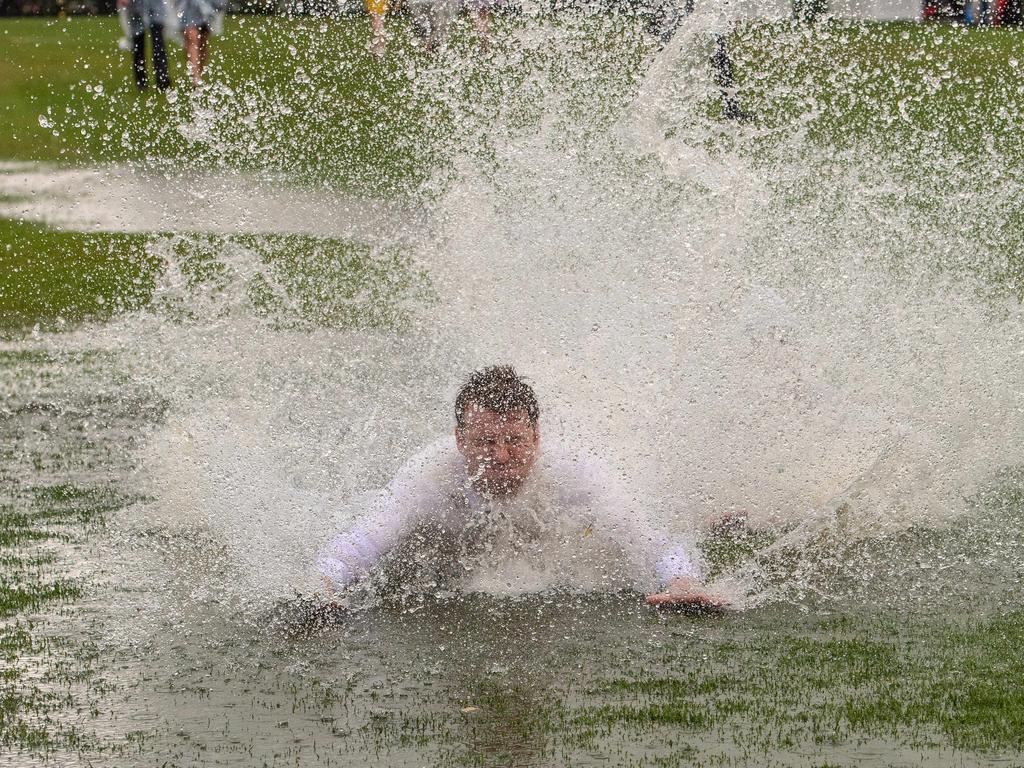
{"x": 570, "y": 525}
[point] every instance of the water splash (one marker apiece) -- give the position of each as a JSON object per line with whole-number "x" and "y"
{"x": 746, "y": 321}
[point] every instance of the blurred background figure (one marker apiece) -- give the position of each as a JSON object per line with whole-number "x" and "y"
{"x": 481, "y": 11}
{"x": 664, "y": 17}
{"x": 199, "y": 19}
{"x": 378, "y": 10}
{"x": 431, "y": 20}
{"x": 151, "y": 15}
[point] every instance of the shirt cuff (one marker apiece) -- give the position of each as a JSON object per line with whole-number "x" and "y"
{"x": 674, "y": 564}
{"x": 336, "y": 570}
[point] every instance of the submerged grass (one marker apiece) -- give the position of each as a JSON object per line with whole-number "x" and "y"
{"x": 871, "y": 679}
{"x": 49, "y": 431}
{"x": 34, "y": 517}
{"x": 33, "y": 520}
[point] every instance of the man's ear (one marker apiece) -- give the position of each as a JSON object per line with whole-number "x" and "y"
{"x": 536, "y": 433}
{"x": 458, "y": 439}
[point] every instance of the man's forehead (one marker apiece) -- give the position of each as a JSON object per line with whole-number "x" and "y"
{"x": 477, "y": 416}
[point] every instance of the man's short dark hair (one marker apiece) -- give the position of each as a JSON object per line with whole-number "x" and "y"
{"x": 496, "y": 388}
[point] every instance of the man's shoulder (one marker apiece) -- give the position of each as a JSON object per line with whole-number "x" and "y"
{"x": 575, "y": 470}
{"x": 434, "y": 466}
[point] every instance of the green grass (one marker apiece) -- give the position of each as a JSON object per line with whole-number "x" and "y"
{"x": 901, "y": 85}
{"x": 871, "y": 679}
{"x": 50, "y": 277}
{"x": 923, "y": 112}
{"x": 55, "y": 279}
{"x": 303, "y": 280}
{"x": 313, "y": 105}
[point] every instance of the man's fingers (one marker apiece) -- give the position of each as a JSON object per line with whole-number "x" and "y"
{"x": 697, "y": 600}
{"x": 658, "y": 599}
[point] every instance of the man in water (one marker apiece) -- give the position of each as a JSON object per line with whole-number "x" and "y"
{"x": 492, "y": 511}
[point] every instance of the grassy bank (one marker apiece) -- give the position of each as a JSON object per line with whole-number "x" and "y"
{"x": 302, "y": 97}
{"x": 53, "y": 279}
{"x": 902, "y": 85}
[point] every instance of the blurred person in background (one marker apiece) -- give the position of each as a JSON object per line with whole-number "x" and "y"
{"x": 199, "y": 19}
{"x": 143, "y": 15}
{"x": 481, "y": 11}
{"x": 431, "y": 20}
{"x": 377, "y": 9}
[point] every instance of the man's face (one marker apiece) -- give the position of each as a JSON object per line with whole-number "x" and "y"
{"x": 499, "y": 449}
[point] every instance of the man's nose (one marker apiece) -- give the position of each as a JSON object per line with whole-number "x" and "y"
{"x": 500, "y": 453}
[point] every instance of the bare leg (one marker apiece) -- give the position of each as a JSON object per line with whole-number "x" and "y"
{"x": 195, "y": 67}
{"x": 204, "y": 49}
{"x": 377, "y": 43}
{"x": 482, "y": 20}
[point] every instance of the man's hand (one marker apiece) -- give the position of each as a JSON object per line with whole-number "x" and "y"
{"x": 333, "y": 598}
{"x": 687, "y": 594}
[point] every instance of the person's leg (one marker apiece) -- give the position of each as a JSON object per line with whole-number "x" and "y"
{"x": 726, "y": 80}
{"x": 663, "y": 17}
{"x": 377, "y": 43}
{"x": 191, "y": 35}
{"x": 377, "y": 10}
{"x": 482, "y": 21}
{"x": 163, "y": 79}
{"x": 139, "y": 60}
{"x": 204, "y": 49}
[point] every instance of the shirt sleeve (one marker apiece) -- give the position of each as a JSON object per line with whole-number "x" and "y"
{"x": 675, "y": 563}
{"x": 655, "y": 553}
{"x": 350, "y": 555}
{"x": 410, "y": 497}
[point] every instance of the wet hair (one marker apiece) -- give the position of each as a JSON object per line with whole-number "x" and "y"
{"x": 496, "y": 388}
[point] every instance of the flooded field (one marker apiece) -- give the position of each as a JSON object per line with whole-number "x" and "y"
{"x": 897, "y": 650}
{"x": 799, "y": 335}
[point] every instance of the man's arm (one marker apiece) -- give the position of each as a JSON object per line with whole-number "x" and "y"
{"x": 349, "y": 556}
{"x": 674, "y": 566}
{"x": 410, "y": 495}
